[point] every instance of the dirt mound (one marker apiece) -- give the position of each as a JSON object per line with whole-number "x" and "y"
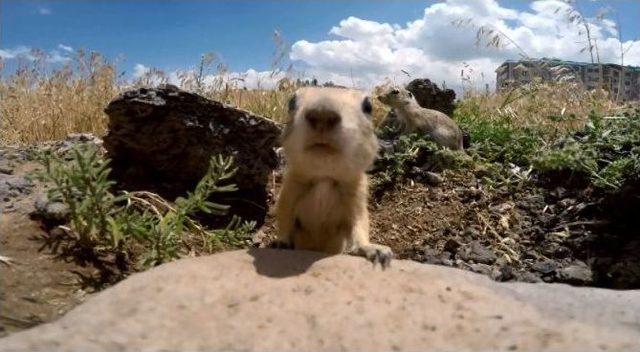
{"x": 303, "y": 301}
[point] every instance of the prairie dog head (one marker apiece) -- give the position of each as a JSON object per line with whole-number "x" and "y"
{"x": 395, "y": 96}
{"x": 329, "y": 133}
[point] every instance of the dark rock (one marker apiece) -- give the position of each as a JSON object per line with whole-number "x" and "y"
{"x": 477, "y": 253}
{"x": 545, "y": 267}
{"x": 526, "y": 276}
{"x": 562, "y": 252}
{"x": 51, "y": 210}
{"x": 451, "y": 245}
{"x": 430, "y": 96}
{"x": 471, "y": 194}
{"x": 503, "y": 273}
{"x": 57, "y": 233}
{"x": 12, "y": 186}
{"x": 162, "y": 139}
{"x": 431, "y": 256}
{"x": 480, "y": 268}
{"x": 432, "y": 178}
{"x": 434, "y": 256}
{"x": 5, "y": 167}
{"x": 72, "y": 140}
{"x": 558, "y": 192}
{"x": 567, "y": 202}
{"x": 471, "y": 232}
{"x": 481, "y": 171}
{"x": 577, "y": 274}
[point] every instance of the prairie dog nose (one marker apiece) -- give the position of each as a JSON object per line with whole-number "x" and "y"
{"x": 322, "y": 120}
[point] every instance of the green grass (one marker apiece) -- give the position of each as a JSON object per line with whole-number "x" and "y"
{"x": 140, "y": 228}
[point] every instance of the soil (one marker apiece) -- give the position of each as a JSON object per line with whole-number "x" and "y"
{"x": 38, "y": 283}
{"x": 517, "y": 233}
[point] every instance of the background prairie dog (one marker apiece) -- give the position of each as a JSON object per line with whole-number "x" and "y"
{"x": 414, "y": 118}
{"x": 328, "y": 144}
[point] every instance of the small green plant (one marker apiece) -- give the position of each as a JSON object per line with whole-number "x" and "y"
{"x": 412, "y": 150}
{"x": 138, "y": 226}
{"x": 572, "y": 157}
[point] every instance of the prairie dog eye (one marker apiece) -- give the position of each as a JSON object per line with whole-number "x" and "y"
{"x": 367, "y": 108}
{"x": 410, "y": 95}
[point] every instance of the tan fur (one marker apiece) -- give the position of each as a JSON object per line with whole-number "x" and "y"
{"x": 328, "y": 144}
{"x": 414, "y": 118}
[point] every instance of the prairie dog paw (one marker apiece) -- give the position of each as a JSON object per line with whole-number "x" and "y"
{"x": 376, "y": 253}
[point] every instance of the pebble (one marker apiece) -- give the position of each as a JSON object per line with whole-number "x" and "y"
{"x": 578, "y": 274}
{"x": 477, "y": 253}
{"x": 433, "y": 178}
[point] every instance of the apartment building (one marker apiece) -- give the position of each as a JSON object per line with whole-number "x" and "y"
{"x": 623, "y": 82}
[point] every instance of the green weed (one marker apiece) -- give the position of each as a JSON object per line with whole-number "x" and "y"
{"x": 138, "y": 227}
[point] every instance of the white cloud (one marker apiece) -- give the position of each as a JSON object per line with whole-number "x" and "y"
{"x": 30, "y": 54}
{"x": 139, "y": 70}
{"x": 364, "y": 52}
{"x": 44, "y": 11}
{"x": 17, "y": 52}
{"x": 250, "y": 79}
{"x": 65, "y": 48}
{"x": 56, "y": 57}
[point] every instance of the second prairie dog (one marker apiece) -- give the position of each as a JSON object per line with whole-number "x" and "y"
{"x": 328, "y": 143}
{"x": 414, "y": 118}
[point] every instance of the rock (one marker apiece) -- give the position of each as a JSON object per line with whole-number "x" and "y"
{"x": 483, "y": 269}
{"x": 430, "y": 96}
{"x": 433, "y": 256}
{"x": 5, "y": 167}
{"x": 481, "y": 171}
{"x": 471, "y": 232}
{"x": 562, "y": 252}
{"x": 12, "y": 185}
{"x": 470, "y": 194}
{"x": 51, "y": 210}
{"x": 277, "y": 300}
{"x": 451, "y": 245}
{"x": 577, "y": 274}
{"x": 162, "y": 139}
{"x": 526, "y": 276}
{"x": 545, "y": 267}
{"x": 258, "y": 239}
{"x": 477, "y": 253}
{"x": 432, "y": 178}
{"x": 386, "y": 146}
{"x": 503, "y": 273}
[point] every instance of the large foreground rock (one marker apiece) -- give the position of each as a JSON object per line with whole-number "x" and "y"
{"x": 271, "y": 300}
{"x": 162, "y": 139}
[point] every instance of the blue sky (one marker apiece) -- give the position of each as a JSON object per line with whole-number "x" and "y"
{"x": 172, "y": 35}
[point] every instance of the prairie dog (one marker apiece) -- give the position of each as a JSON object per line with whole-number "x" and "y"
{"x": 414, "y": 118}
{"x": 328, "y": 145}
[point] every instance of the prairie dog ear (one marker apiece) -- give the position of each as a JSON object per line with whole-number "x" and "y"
{"x": 367, "y": 108}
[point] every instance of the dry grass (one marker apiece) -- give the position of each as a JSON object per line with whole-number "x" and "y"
{"x": 38, "y": 103}
{"x": 561, "y": 106}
